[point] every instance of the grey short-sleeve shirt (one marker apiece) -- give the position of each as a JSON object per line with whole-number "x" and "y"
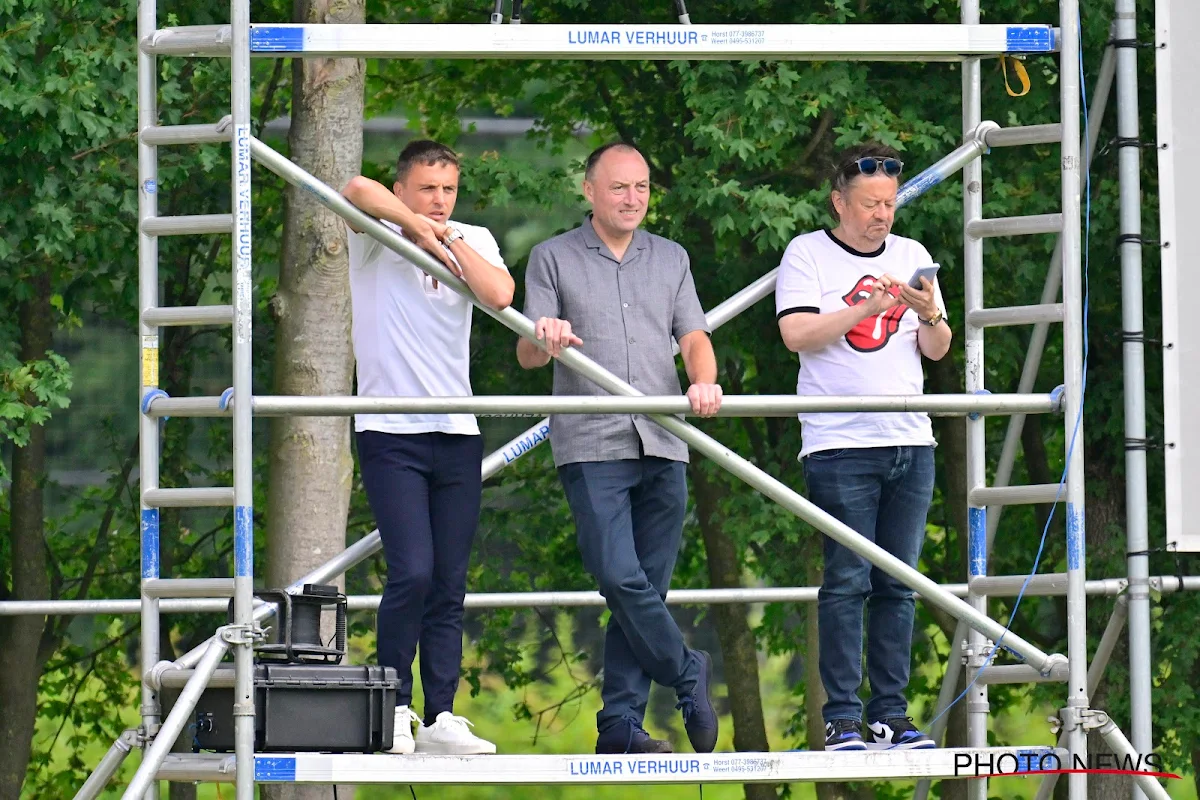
{"x": 628, "y": 313}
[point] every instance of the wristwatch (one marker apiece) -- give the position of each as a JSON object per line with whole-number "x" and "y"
{"x": 932, "y": 321}
{"x": 452, "y": 236}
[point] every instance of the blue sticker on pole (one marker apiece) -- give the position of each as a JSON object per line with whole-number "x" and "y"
{"x": 276, "y": 39}
{"x": 977, "y": 541}
{"x": 1029, "y": 39}
{"x": 149, "y": 543}
{"x": 275, "y": 769}
{"x": 1037, "y": 760}
{"x": 1075, "y": 531}
{"x": 243, "y": 541}
{"x": 918, "y": 186}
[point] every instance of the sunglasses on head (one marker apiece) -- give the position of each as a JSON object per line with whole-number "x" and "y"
{"x": 871, "y": 165}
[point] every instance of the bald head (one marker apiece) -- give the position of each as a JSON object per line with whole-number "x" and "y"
{"x": 589, "y": 170}
{"x": 617, "y": 184}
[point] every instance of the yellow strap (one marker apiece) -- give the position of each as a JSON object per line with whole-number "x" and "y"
{"x": 1022, "y": 76}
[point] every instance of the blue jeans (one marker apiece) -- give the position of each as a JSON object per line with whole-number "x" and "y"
{"x": 424, "y": 489}
{"x": 884, "y": 494}
{"x": 629, "y": 524}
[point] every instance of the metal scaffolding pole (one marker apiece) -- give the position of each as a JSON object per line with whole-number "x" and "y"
{"x": 697, "y": 440}
{"x": 754, "y": 405}
{"x": 243, "y": 389}
{"x": 1073, "y": 357}
{"x": 1136, "y": 502}
{"x": 108, "y": 766}
{"x": 1104, "y": 651}
{"x": 144, "y": 778}
{"x": 148, "y": 429}
{"x": 978, "y": 649}
{"x": 1106, "y": 587}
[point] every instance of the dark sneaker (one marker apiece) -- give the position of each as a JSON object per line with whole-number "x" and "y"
{"x": 628, "y": 736}
{"x": 699, "y": 716}
{"x": 896, "y": 733}
{"x": 844, "y": 734}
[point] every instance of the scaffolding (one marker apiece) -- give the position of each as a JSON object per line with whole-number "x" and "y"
{"x": 978, "y": 637}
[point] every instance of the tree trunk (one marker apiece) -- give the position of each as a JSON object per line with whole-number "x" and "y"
{"x": 20, "y": 667}
{"x": 738, "y": 646}
{"x": 310, "y": 462}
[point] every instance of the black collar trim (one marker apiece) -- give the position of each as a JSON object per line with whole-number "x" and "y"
{"x": 851, "y": 250}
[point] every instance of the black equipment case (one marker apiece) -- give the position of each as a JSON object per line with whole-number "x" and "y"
{"x": 325, "y": 708}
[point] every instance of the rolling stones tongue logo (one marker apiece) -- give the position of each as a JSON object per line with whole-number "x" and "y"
{"x": 873, "y": 333}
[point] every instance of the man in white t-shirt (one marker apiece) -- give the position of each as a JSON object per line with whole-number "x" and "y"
{"x": 844, "y": 304}
{"x": 422, "y": 472}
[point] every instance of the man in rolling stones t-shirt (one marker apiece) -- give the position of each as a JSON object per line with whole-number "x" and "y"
{"x": 844, "y": 305}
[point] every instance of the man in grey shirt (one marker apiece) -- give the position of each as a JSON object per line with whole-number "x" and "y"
{"x": 621, "y": 296}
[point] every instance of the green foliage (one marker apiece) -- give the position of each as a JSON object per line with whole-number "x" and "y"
{"x": 28, "y": 392}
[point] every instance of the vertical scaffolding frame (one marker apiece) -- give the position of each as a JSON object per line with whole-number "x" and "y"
{"x": 237, "y": 41}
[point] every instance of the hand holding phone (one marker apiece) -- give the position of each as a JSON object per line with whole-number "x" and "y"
{"x": 923, "y": 272}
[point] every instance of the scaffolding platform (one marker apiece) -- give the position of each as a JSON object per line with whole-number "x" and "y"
{"x": 781, "y": 767}
{"x": 790, "y": 42}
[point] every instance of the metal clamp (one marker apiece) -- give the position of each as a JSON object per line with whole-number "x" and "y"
{"x": 1058, "y": 398}
{"x": 150, "y": 397}
{"x": 1055, "y": 661}
{"x": 974, "y": 415}
{"x": 241, "y": 634}
{"x": 1089, "y": 719}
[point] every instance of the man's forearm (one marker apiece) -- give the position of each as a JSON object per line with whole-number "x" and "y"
{"x": 699, "y": 359}
{"x": 806, "y": 330}
{"x": 374, "y": 198}
{"x": 934, "y": 340}
{"x": 492, "y": 285}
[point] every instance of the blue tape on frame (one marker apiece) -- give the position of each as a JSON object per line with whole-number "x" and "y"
{"x": 974, "y": 415}
{"x": 276, "y": 39}
{"x": 1036, "y": 760}
{"x": 275, "y": 769}
{"x": 1075, "y": 531}
{"x": 149, "y": 543}
{"x": 1029, "y": 39}
{"x": 977, "y": 541}
{"x": 243, "y": 541}
{"x": 918, "y": 186}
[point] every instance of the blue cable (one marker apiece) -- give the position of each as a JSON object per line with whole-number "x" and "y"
{"x": 1087, "y": 232}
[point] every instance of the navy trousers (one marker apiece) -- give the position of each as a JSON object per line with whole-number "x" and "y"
{"x": 424, "y": 490}
{"x": 883, "y": 493}
{"x": 629, "y": 523}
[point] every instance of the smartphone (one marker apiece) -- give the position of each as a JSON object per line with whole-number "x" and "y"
{"x": 923, "y": 272}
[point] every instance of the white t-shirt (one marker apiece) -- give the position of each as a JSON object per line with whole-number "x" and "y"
{"x": 879, "y": 356}
{"x": 410, "y": 339}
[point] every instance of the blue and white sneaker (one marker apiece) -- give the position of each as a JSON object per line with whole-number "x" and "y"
{"x": 896, "y": 733}
{"x": 844, "y": 734}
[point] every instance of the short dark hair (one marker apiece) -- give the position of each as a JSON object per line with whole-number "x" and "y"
{"x": 589, "y": 168}
{"x": 426, "y": 152}
{"x": 845, "y": 170}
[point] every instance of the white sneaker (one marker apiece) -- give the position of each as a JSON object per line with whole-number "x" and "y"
{"x": 402, "y": 732}
{"x": 449, "y": 736}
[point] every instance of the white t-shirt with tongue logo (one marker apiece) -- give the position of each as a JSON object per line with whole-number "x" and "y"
{"x": 879, "y": 356}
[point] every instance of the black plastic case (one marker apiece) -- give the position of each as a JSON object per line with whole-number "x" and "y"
{"x": 301, "y": 708}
